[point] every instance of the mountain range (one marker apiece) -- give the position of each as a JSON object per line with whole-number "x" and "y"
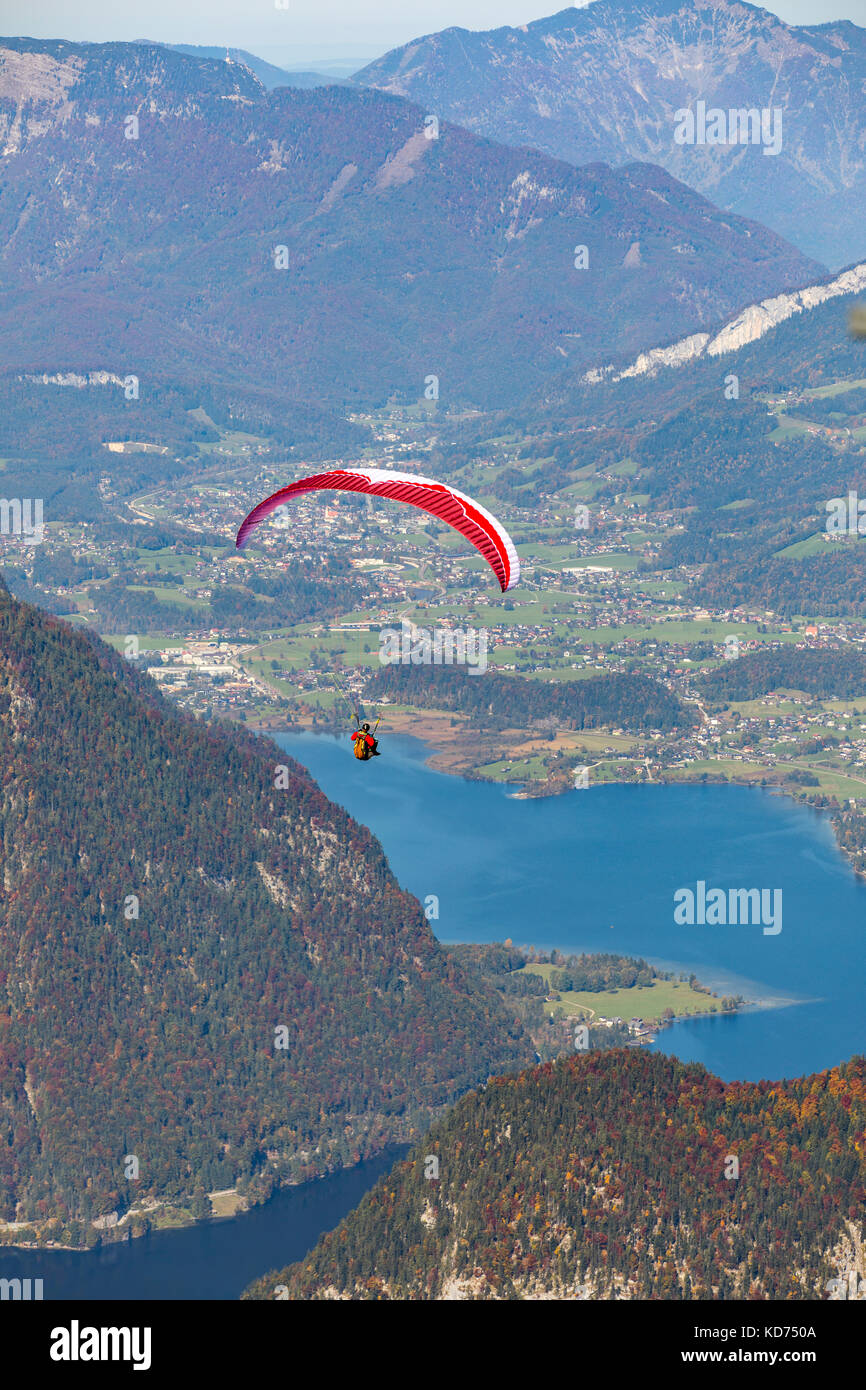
{"x": 166, "y": 217}
{"x": 609, "y": 80}
{"x": 268, "y": 74}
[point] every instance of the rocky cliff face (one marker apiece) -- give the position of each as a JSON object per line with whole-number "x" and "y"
{"x": 607, "y": 81}
{"x": 749, "y": 326}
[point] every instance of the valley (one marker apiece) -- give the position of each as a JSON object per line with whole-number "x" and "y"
{"x": 500, "y": 397}
{"x": 599, "y": 596}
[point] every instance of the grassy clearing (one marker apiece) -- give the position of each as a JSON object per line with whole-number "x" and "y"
{"x": 674, "y": 630}
{"x": 804, "y": 550}
{"x": 834, "y": 783}
{"x": 226, "y": 1203}
{"x": 838, "y": 388}
{"x": 599, "y": 743}
{"x": 166, "y": 561}
{"x": 521, "y": 770}
{"x": 559, "y": 676}
{"x": 727, "y": 767}
{"x": 647, "y": 1002}
{"x": 787, "y": 429}
{"x": 761, "y": 709}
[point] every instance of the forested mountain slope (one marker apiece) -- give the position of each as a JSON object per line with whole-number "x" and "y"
{"x": 172, "y": 894}
{"x": 166, "y": 217}
{"x": 604, "y": 1176}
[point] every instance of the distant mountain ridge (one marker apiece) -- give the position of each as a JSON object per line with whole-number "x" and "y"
{"x": 165, "y": 216}
{"x": 606, "y": 81}
{"x": 268, "y": 74}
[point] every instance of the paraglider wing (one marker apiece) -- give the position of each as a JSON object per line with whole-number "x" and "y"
{"x": 469, "y": 518}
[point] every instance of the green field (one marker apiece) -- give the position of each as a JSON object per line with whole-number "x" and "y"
{"x": 340, "y": 649}
{"x": 597, "y": 743}
{"x": 787, "y": 429}
{"x": 159, "y": 561}
{"x": 523, "y": 770}
{"x": 556, "y": 675}
{"x": 718, "y": 767}
{"x": 835, "y": 783}
{"x": 673, "y": 631}
{"x": 647, "y": 1002}
{"x": 837, "y": 389}
{"x": 761, "y": 709}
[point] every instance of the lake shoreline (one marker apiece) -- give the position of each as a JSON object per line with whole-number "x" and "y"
{"x": 245, "y": 1207}
{"x": 454, "y": 760}
{"x": 212, "y": 1259}
{"x": 601, "y": 874}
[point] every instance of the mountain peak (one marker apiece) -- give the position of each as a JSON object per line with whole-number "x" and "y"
{"x": 174, "y": 229}
{"x": 608, "y": 82}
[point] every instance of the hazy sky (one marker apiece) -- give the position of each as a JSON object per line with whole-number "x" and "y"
{"x": 314, "y": 29}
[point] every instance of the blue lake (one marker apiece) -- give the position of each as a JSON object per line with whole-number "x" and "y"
{"x": 597, "y": 870}
{"x": 214, "y": 1260}
{"x": 593, "y": 870}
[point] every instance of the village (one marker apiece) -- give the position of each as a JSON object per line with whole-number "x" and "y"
{"x": 217, "y": 631}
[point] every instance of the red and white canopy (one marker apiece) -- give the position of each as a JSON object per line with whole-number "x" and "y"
{"x": 448, "y": 504}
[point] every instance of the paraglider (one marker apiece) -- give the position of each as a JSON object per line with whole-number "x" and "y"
{"x": 364, "y": 741}
{"x": 473, "y": 521}
{"x": 366, "y": 746}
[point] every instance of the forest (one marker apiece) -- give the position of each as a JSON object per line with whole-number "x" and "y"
{"x": 205, "y": 965}
{"x": 71, "y": 423}
{"x": 614, "y": 1174}
{"x": 493, "y": 701}
{"x": 752, "y": 492}
{"x": 826, "y": 673}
